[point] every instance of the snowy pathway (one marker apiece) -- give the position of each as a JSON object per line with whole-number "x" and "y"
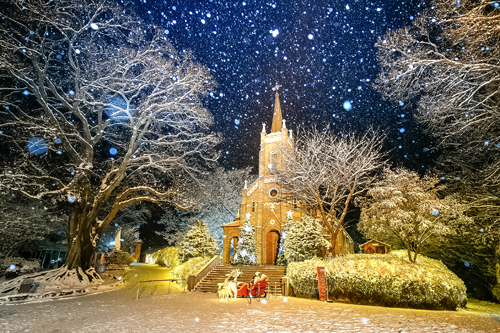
{"x": 118, "y": 311}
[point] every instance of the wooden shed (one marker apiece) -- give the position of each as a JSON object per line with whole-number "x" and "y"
{"x": 375, "y": 246}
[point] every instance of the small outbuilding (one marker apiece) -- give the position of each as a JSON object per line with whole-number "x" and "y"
{"x": 375, "y": 246}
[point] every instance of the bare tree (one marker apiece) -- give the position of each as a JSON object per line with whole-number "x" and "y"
{"x": 448, "y": 62}
{"x": 220, "y": 191}
{"x": 326, "y": 171}
{"x": 476, "y": 244}
{"x": 128, "y": 220}
{"x": 99, "y": 110}
{"x": 408, "y": 207}
{"x": 25, "y": 224}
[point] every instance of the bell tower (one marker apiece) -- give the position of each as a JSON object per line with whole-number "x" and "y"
{"x": 265, "y": 200}
{"x": 271, "y": 144}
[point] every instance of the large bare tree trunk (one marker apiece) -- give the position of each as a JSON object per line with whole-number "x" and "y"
{"x": 333, "y": 241}
{"x": 80, "y": 248}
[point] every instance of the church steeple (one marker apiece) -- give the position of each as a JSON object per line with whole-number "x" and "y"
{"x": 277, "y": 117}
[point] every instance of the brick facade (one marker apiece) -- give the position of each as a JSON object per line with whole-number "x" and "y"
{"x": 265, "y": 200}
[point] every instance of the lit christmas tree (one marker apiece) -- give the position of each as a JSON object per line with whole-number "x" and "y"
{"x": 198, "y": 242}
{"x": 281, "y": 260}
{"x": 246, "y": 253}
{"x": 304, "y": 240}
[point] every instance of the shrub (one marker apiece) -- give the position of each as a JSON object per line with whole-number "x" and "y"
{"x": 198, "y": 242}
{"x": 22, "y": 267}
{"x": 281, "y": 260}
{"x": 304, "y": 239}
{"x": 120, "y": 258}
{"x": 383, "y": 279}
{"x": 168, "y": 257}
{"x": 496, "y": 292}
{"x": 190, "y": 267}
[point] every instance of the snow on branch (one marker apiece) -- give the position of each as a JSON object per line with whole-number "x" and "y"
{"x": 326, "y": 171}
{"x": 447, "y": 62}
{"x": 95, "y": 102}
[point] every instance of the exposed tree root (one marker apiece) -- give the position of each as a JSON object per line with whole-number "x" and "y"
{"x": 60, "y": 278}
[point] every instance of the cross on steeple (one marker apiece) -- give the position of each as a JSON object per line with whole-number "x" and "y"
{"x": 277, "y": 87}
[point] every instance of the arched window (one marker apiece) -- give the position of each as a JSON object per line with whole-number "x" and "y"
{"x": 253, "y": 206}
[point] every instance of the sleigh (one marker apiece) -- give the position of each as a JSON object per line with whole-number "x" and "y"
{"x": 247, "y": 289}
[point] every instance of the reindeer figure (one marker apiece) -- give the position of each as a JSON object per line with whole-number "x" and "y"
{"x": 227, "y": 288}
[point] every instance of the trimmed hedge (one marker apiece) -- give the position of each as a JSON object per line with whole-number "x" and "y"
{"x": 382, "y": 279}
{"x": 190, "y": 267}
{"x": 120, "y": 258}
{"x": 167, "y": 257}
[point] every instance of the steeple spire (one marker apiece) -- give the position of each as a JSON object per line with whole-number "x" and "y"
{"x": 277, "y": 118}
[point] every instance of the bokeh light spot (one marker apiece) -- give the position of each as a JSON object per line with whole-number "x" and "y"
{"x": 117, "y": 108}
{"x": 37, "y": 146}
{"x": 347, "y": 105}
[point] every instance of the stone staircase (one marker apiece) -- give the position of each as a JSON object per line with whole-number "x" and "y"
{"x": 218, "y": 275}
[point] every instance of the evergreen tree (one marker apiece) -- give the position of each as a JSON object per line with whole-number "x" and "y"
{"x": 281, "y": 260}
{"x": 198, "y": 242}
{"x": 246, "y": 253}
{"x": 304, "y": 239}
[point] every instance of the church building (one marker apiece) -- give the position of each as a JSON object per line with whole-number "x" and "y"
{"x": 266, "y": 203}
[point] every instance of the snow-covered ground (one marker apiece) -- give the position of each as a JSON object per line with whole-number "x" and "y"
{"x": 118, "y": 311}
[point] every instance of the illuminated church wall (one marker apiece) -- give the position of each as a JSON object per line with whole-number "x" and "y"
{"x": 265, "y": 200}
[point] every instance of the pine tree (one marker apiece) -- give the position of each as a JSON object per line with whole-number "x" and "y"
{"x": 281, "y": 260}
{"x": 246, "y": 253}
{"x": 304, "y": 240}
{"x": 198, "y": 242}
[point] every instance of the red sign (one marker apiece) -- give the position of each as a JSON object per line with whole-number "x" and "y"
{"x": 322, "y": 284}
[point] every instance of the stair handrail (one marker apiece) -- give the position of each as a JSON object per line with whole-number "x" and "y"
{"x": 193, "y": 279}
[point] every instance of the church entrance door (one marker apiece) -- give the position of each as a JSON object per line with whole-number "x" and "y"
{"x": 272, "y": 247}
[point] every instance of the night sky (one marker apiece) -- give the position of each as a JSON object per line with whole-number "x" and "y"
{"x": 321, "y": 52}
